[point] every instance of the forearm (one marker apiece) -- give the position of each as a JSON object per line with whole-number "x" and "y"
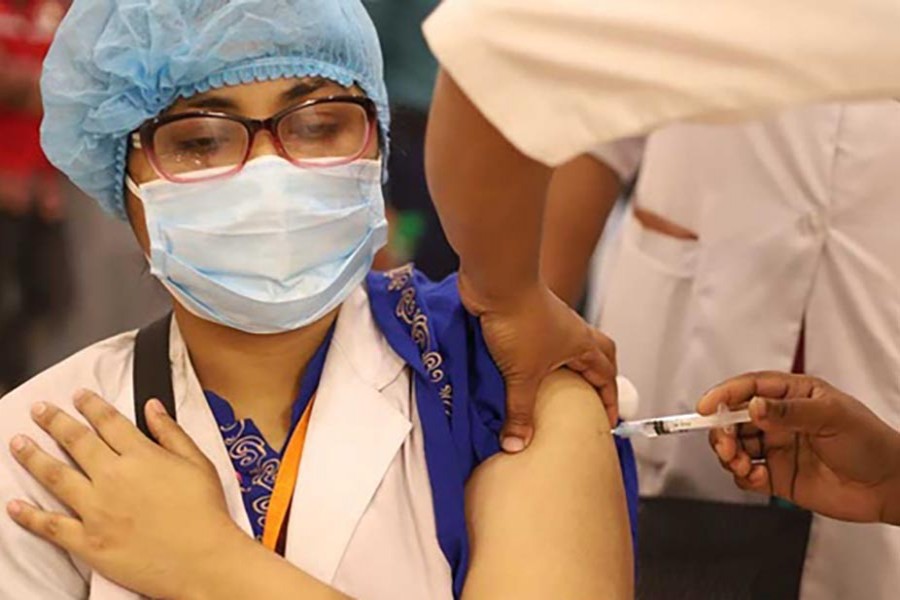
{"x": 582, "y": 195}
{"x": 245, "y": 570}
{"x": 552, "y": 522}
{"x": 490, "y": 197}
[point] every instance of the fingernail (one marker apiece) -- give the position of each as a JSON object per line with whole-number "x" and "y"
{"x": 759, "y": 407}
{"x": 720, "y": 447}
{"x": 512, "y": 444}
{"x": 18, "y": 443}
{"x": 156, "y": 407}
{"x": 79, "y": 397}
{"x": 14, "y": 508}
{"x": 758, "y": 474}
{"x": 38, "y": 409}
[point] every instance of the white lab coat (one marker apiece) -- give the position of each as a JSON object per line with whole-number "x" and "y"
{"x": 362, "y": 519}
{"x": 796, "y": 216}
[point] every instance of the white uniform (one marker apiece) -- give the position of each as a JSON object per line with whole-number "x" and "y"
{"x": 560, "y": 77}
{"x": 796, "y": 216}
{"x": 368, "y": 531}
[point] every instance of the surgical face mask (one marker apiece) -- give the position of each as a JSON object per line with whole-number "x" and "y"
{"x": 270, "y": 250}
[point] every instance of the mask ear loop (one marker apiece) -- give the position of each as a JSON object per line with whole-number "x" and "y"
{"x": 133, "y": 187}
{"x": 130, "y": 183}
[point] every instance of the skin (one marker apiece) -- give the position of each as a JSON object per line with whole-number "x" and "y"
{"x": 568, "y": 488}
{"x": 581, "y": 197}
{"x": 824, "y": 450}
{"x": 491, "y": 199}
{"x": 131, "y": 528}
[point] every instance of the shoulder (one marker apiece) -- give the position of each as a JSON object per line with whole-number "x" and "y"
{"x": 408, "y": 295}
{"x": 413, "y": 311}
{"x": 101, "y": 366}
{"x": 426, "y": 323}
{"x": 104, "y": 367}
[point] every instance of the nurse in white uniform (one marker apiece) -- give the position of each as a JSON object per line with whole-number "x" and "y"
{"x": 335, "y": 415}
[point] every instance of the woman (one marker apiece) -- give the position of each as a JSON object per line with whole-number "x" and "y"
{"x": 343, "y": 413}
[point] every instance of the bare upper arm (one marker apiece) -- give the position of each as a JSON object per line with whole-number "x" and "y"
{"x": 552, "y": 522}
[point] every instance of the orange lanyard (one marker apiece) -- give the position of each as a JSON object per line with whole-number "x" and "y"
{"x": 285, "y": 483}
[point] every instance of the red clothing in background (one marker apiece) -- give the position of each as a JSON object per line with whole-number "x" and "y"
{"x": 28, "y": 183}
{"x": 26, "y": 30}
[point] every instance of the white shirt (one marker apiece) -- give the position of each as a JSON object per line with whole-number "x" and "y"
{"x": 560, "y": 77}
{"x": 797, "y": 217}
{"x": 362, "y": 520}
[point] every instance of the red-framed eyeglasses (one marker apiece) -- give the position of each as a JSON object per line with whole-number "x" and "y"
{"x": 203, "y": 145}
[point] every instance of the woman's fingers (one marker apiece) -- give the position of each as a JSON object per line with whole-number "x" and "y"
{"x": 739, "y": 391}
{"x": 757, "y": 480}
{"x": 79, "y": 441}
{"x": 724, "y": 445}
{"x": 68, "y": 485}
{"x": 120, "y": 433}
{"x": 58, "y": 529}
{"x": 741, "y": 465}
{"x": 171, "y": 436}
{"x": 733, "y": 457}
{"x": 598, "y": 367}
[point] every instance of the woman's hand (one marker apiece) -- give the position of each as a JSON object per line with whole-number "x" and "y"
{"x": 149, "y": 517}
{"x": 814, "y": 446}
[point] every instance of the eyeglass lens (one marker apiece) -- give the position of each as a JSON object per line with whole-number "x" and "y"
{"x": 319, "y": 133}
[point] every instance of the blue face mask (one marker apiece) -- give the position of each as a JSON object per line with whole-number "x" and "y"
{"x": 270, "y": 250}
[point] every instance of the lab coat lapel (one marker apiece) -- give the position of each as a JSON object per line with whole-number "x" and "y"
{"x": 196, "y": 418}
{"x": 355, "y": 433}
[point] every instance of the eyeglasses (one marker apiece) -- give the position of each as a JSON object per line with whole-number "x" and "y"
{"x": 202, "y": 145}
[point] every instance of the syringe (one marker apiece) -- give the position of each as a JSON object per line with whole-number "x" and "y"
{"x": 652, "y": 428}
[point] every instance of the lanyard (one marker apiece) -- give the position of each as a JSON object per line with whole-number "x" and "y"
{"x": 285, "y": 483}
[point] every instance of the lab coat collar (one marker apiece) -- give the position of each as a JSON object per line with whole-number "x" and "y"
{"x": 365, "y": 347}
{"x": 355, "y": 432}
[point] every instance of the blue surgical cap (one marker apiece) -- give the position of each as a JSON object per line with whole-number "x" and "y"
{"x": 117, "y": 63}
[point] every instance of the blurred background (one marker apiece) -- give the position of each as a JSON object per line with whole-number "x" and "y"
{"x": 69, "y": 275}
